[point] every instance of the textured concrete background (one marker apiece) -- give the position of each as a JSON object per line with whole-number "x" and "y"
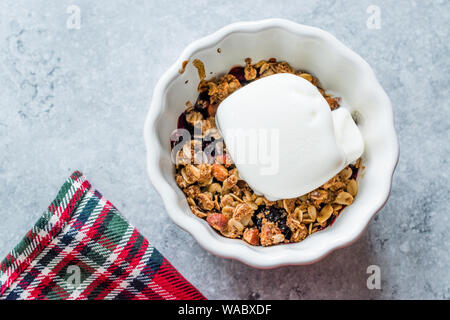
{"x": 76, "y": 99}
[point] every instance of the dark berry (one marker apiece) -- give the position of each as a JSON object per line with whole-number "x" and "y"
{"x": 238, "y": 73}
{"x": 183, "y": 124}
{"x": 354, "y": 171}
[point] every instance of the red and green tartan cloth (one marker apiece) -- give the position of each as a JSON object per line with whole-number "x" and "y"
{"x": 82, "y": 249}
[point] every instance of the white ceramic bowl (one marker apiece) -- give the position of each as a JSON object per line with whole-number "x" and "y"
{"x": 340, "y": 71}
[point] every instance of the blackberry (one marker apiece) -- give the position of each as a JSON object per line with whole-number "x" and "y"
{"x": 238, "y": 73}
{"x": 183, "y": 124}
{"x": 354, "y": 171}
{"x": 258, "y": 221}
{"x": 274, "y": 214}
{"x": 285, "y": 229}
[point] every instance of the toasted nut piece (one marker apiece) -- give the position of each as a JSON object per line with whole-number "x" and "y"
{"x": 205, "y": 183}
{"x": 251, "y": 236}
{"x": 325, "y": 214}
{"x": 181, "y": 182}
{"x": 294, "y": 219}
{"x": 212, "y": 109}
{"x": 230, "y": 182}
{"x": 333, "y": 184}
{"x": 298, "y": 213}
{"x": 252, "y": 205}
{"x": 250, "y": 73}
{"x": 227, "y": 200}
{"x": 218, "y": 221}
{"x": 219, "y": 172}
{"x": 318, "y": 195}
{"x": 228, "y": 211}
{"x": 191, "y": 202}
{"x": 278, "y": 238}
{"x": 283, "y": 67}
{"x": 235, "y": 197}
{"x": 336, "y": 208}
{"x": 259, "y": 201}
{"x": 243, "y": 213}
{"x": 205, "y": 201}
{"x": 352, "y": 187}
{"x": 215, "y": 188}
{"x": 312, "y": 212}
{"x": 235, "y": 226}
{"x": 190, "y": 173}
{"x": 346, "y": 173}
{"x": 268, "y": 203}
{"x": 270, "y": 234}
{"x": 193, "y": 117}
{"x": 224, "y": 159}
{"x": 192, "y": 191}
{"x": 344, "y": 198}
{"x": 333, "y": 102}
{"x": 195, "y": 210}
{"x": 306, "y": 76}
{"x": 264, "y": 67}
{"x": 289, "y": 205}
{"x": 205, "y": 172}
{"x": 299, "y": 234}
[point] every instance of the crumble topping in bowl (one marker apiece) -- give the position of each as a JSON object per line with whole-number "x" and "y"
{"x": 211, "y": 182}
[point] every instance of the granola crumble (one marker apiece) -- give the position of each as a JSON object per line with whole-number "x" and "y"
{"x": 213, "y": 188}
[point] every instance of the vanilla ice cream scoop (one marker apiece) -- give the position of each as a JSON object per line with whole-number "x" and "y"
{"x": 283, "y": 137}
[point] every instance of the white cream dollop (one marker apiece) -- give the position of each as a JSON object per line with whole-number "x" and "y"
{"x": 283, "y": 137}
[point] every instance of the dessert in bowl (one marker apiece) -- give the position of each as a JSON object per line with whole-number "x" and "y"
{"x": 305, "y": 51}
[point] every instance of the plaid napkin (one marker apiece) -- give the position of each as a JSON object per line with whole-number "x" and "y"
{"x": 82, "y": 248}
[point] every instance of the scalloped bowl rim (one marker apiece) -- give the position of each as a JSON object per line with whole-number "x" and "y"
{"x": 232, "y": 248}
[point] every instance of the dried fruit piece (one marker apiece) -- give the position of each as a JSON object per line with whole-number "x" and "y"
{"x": 219, "y": 172}
{"x": 251, "y": 236}
{"x": 218, "y": 221}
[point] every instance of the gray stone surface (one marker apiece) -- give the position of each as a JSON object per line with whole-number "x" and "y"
{"x": 76, "y": 99}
